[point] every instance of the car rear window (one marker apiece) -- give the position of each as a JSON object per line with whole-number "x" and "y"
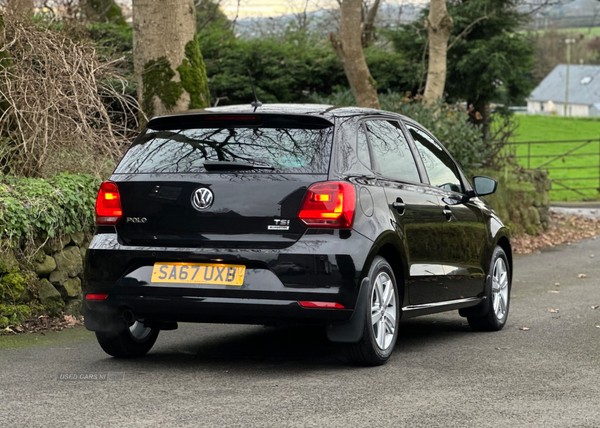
{"x": 271, "y": 149}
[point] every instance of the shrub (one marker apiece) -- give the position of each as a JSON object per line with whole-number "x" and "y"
{"x": 285, "y": 69}
{"x": 450, "y": 126}
{"x": 36, "y": 209}
{"x": 57, "y": 103}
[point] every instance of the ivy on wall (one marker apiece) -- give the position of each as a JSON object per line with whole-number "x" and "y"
{"x": 32, "y": 210}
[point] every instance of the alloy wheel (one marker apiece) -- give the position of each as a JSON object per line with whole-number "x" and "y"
{"x": 383, "y": 311}
{"x": 138, "y": 331}
{"x": 500, "y": 289}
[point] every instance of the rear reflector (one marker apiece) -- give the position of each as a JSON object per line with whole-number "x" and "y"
{"x": 321, "y": 305}
{"x": 96, "y": 296}
{"x": 108, "y": 204}
{"x": 329, "y": 204}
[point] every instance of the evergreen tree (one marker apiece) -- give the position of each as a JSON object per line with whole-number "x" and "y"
{"x": 488, "y": 59}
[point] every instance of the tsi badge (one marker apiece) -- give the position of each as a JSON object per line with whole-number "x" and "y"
{"x": 279, "y": 225}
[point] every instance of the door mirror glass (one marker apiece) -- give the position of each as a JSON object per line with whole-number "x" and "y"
{"x": 484, "y": 185}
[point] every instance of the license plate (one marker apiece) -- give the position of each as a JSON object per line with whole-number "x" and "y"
{"x": 199, "y": 273}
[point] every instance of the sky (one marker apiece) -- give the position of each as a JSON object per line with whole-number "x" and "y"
{"x": 265, "y": 8}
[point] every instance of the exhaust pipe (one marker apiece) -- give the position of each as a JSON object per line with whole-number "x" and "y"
{"x": 128, "y": 316}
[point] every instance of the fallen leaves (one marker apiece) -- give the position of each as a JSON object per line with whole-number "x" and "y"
{"x": 553, "y": 291}
{"x": 581, "y": 275}
{"x": 563, "y": 229}
{"x": 553, "y": 311}
{"x": 70, "y": 320}
{"x": 43, "y": 323}
{"x": 596, "y": 307}
{"x": 556, "y": 284}
{"x": 524, "y": 328}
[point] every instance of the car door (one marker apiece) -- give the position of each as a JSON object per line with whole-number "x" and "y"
{"x": 464, "y": 234}
{"x": 414, "y": 207}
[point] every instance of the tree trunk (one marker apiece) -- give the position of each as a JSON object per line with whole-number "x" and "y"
{"x": 368, "y": 27}
{"x": 439, "y": 27}
{"x": 480, "y": 114}
{"x": 349, "y": 49}
{"x": 169, "y": 69}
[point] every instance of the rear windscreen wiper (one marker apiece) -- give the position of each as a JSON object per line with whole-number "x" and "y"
{"x": 234, "y": 166}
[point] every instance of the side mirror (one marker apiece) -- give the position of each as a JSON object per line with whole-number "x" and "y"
{"x": 484, "y": 185}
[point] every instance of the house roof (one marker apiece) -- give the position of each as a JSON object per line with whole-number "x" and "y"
{"x": 584, "y": 85}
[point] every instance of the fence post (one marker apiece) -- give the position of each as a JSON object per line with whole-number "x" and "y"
{"x": 529, "y": 155}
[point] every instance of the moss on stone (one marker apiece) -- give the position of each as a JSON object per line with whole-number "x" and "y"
{"x": 7, "y": 310}
{"x": 14, "y": 314}
{"x": 8, "y": 261}
{"x": 521, "y": 200}
{"x": 193, "y": 75}
{"x": 12, "y": 286}
{"x": 157, "y": 77}
{"x": 530, "y": 229}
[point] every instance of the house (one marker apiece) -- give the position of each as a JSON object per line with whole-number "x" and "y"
{"x": 584, "y": 92}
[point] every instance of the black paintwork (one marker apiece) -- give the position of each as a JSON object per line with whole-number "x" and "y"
{"x": 438, "y": 242}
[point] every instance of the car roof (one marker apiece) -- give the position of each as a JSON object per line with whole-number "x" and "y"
{"x": 325, "y": 110}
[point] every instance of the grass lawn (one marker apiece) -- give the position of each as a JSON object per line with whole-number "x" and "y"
{"x": 586, "y": 31}
{"x": 552, "y": 128}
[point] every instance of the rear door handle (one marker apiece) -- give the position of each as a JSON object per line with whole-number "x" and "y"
{"x": 399, "y": 206}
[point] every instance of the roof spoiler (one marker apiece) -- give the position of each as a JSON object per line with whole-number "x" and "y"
{"x": 238, "y": 120}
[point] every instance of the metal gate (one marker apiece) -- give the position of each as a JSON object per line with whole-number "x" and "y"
{"x": 577, "y": 168}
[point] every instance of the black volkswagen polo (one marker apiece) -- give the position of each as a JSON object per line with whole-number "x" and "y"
{"x": 303, "y": 214}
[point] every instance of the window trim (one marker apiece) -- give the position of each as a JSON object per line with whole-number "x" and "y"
{"x": 371, "y": 167}
{"x": 461, "y": 174}
{"x": 375, "y": 165}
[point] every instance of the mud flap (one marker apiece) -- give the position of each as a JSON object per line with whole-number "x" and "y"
{"x": 351, "y": 331}
{"x": 482, "y": 308}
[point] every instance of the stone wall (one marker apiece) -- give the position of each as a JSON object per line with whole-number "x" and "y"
{"x": 60, "y": 268}
{"x": 47, "y": 283}
{"x": 522, "y": 199}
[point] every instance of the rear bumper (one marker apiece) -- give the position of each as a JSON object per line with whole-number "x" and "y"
{"x": 276, "y": 280}
{"x": 106, "y": 315}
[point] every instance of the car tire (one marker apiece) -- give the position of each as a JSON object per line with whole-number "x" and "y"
{"x": 130, "y": 340}
{"x": 380, "y": 329}
{"x": 496, "y": 308}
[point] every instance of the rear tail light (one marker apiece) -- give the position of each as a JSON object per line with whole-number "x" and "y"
{"x": 322, "y": 305}
{"x": 96, "y": 296}
{"x": 108, "y": 204}
{"x": 329, "y": 204}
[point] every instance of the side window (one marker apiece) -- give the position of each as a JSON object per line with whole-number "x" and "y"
{"x": 391, "y": 150}
{"x": 441, "y": 169}
{"x": 362, "y": 148}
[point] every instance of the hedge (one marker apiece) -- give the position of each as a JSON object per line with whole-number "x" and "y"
{"x": 34, "y": 209}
